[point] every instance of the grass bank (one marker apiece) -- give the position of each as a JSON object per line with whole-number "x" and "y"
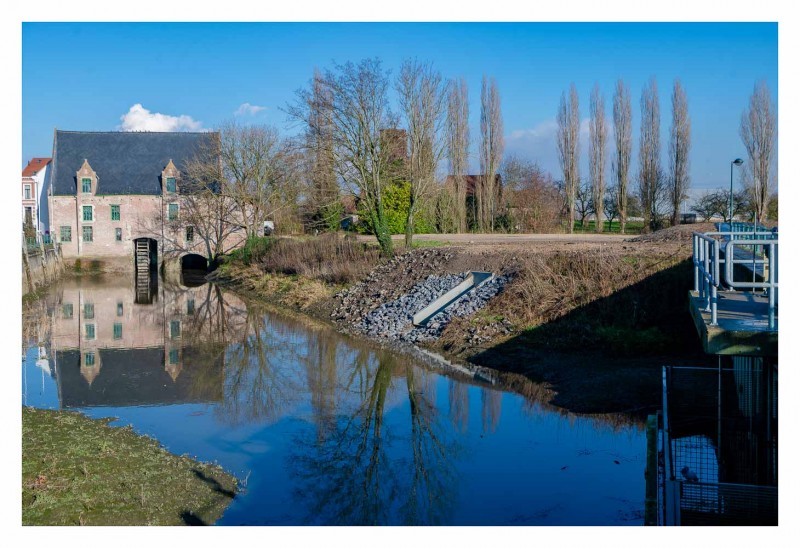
{"x": 80, "y": 471}
{"x": 298, "y": 273}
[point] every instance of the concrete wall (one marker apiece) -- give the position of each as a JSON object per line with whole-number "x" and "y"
{"x": 39, "y": 268}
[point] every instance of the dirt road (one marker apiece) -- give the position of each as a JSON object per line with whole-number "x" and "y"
{"x": 467, "y": 239}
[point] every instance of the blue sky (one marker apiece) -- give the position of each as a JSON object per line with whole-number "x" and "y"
{"x": 87, "y": 76}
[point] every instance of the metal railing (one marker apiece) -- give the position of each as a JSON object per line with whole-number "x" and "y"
{"x": 707, "y": 259}
{"x": 769, "y": 277}
{"x": 39, "y": 243}
{"x": 717, "y": 457}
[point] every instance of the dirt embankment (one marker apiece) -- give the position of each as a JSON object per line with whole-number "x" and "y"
{"x": 593, "y": 321}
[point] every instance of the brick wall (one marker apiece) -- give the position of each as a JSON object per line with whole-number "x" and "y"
{"x": 140, "y": 217}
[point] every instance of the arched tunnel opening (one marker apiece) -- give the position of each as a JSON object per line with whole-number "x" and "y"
{"x": 193, "y": 270}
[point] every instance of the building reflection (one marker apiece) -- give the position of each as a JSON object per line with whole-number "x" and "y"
{"x": 110, "y": 349}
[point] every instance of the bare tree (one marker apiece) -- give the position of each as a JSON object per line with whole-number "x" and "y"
{"x": 568, "y": 150}
{"x": 597, "y": 157}
{"x": 533, "y": 198}
{"x": 651, "y": 180}
{"x": 324, "y": 207}
{"x": 458, "y": 147}
{"x": 356, "y": 96}
{"x": 584, "y": 202}
{"x": 717, "y": 202}
{"x": 623, "y": 141}
{"x": 259, "y": 173}
{"x": 611, "y": 206}
{"x": 679, "y": 143}
{"x": 491, "y": 153}
{"x": 758, "y": 135}
{"x": 422, "y": 101}
{"x": 206, "y": 219}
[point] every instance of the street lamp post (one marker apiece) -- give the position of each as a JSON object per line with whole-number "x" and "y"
{"x": 738, "y": 162}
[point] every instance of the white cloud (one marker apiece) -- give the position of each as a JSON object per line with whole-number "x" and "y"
{"x": 139, "y": 118}
{"x": 537, "y": 143}
{"x": 246, "y": 109}
{"x": 544, "y": 130}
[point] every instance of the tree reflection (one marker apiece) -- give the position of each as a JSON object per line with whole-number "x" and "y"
{"x": 491, "y": 404}
{"x": 458, "y": 399}
{"x": 361, "y": 470}
{"x": 260, "y": 380}
{"x": 430, "y": 493}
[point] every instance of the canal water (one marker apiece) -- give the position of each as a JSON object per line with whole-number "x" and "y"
{"x": 321, "y": 428}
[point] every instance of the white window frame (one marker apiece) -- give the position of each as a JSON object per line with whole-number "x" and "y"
{"x": 27, "y": 193}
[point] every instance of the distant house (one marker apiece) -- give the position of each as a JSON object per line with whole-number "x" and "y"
{"x": 35, "y": 182}
{"x": 114, "y": 195}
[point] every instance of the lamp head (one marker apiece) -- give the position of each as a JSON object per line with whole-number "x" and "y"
{"x": 738, "y": 161}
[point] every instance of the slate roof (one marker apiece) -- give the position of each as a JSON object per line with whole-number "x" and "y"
{"x": 125, "y": 162}
{"x": 34, "y": 166}
{"x": 136, "y": 376}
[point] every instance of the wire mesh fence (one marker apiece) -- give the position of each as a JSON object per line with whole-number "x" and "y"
{"x": 721, "y": 442}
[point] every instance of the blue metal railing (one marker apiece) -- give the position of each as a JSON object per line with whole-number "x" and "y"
{"x": 705, "y": 257}
{"x": 707, "y": 260}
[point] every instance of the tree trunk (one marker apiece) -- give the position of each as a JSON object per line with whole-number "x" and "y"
{"x": 382, "y": 232}
{"x": 410, "y": 223}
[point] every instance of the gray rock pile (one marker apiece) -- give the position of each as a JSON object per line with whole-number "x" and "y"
{"x": 393, "y": 320}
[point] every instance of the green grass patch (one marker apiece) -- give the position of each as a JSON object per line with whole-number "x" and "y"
{"x": 80, "y": 471}
{"x": 428, "y": 243}
{"x": 631, "y": 227}
{"x": 253, "y": 249}
{"x": 33, "y": 296}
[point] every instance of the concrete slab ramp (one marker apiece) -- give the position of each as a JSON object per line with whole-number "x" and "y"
{"x": 473, "y": 281}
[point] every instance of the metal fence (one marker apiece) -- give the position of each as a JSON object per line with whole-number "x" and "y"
{"x": 718, "y": 444}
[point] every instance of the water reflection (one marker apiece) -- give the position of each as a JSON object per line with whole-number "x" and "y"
{"x": 327, "y": 430}
{"x": 359, "y": 468}
{"x": 110, "y": 350}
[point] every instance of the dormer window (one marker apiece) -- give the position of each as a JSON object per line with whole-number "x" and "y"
{"x": 87, "y": 179}
{"x": 169, "y": 178}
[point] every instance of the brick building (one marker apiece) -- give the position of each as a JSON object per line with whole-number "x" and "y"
{"x": 35, "y": 182}
{"x": 114, "y": 194}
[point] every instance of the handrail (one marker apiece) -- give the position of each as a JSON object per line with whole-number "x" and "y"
{"x": 706, "y": 258}
{"x": 770, "y": 277}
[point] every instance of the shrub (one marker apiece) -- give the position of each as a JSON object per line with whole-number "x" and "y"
{"x": 329, "y": 258}
{"x": 252, "y": 251}
{"x": 395, "y": 206}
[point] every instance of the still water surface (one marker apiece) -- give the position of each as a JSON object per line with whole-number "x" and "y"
{"x": 320, "y": 427}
